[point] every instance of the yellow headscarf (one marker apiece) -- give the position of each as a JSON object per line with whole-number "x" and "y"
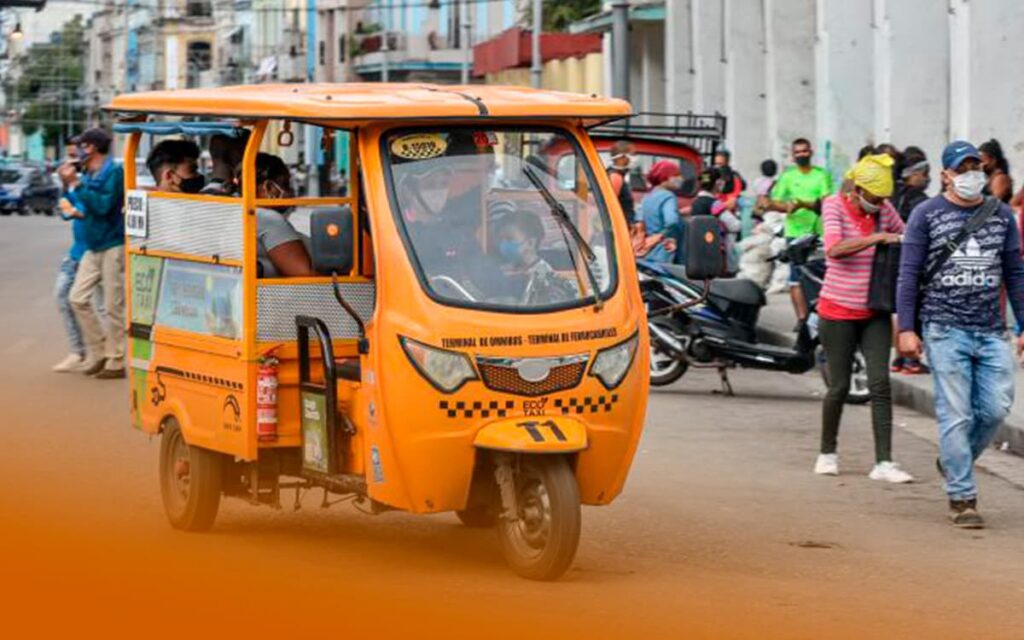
{"x": 873, "y": 174}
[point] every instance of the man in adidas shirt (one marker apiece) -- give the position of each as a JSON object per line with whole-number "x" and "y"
{"x": 960, "y": 311}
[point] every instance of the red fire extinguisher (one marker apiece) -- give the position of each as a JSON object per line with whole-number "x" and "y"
{"x": 266, "y": 399}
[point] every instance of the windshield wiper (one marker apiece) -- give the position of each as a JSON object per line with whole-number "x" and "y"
{"x": 562, "y": 216}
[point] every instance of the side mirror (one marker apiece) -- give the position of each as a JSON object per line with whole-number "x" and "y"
{"x": 705, "y": 255}
{"x": 330, "y": 235}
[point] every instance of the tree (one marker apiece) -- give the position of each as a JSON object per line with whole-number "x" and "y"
{"x": 50, "y": 80}
{"x": 557, "y": 15}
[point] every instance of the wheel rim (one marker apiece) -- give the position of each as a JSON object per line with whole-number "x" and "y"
{"x": 662, "y": 363}
{"x": 179, "y": 472}
{"x": 530, "y": 534}
{"x": 859, "y": 379}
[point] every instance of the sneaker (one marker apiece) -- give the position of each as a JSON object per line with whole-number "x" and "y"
{"x": 93, "y": 367}
{"x": 897, "y": 364}
{"x": 72, "y": 363}
{"x": 110, "y": 374}
{"x": 827, "y": 464}
{"x": 890, "y": 472}
{"x": 916, "y": 368}
{"x": 964, "y": 514}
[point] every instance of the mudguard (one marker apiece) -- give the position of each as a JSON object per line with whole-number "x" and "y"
{"x": 539, "y": 434}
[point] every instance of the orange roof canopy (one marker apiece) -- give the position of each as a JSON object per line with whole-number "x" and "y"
{"x": 372, "y": 101}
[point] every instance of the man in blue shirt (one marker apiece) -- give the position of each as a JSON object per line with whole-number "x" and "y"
{"x": 960, "y": 310}
{"x": 97, "y": 196}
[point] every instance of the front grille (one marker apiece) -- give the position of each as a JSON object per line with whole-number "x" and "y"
{"x": 503, "y": 374}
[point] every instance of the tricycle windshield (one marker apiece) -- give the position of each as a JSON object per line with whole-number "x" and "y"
{"x": 494, "y": 220}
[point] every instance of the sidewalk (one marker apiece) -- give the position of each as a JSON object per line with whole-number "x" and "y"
{"x": 777, "y": 321}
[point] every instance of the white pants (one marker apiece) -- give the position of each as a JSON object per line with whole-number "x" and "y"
{"x": 103, "y": 338}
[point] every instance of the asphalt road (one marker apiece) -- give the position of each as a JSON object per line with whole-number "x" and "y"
{"x": 722, "y": 531}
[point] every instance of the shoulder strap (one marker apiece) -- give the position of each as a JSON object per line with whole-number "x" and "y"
{"x": 977, "y": 221}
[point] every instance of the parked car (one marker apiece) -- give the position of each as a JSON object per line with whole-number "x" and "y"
{"x": 27, "y": 189}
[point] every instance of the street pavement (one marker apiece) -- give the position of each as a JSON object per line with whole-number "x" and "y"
{"x": 722, "y": 531}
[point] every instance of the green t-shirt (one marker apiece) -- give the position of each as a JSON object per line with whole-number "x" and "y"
{"x": 794, "y": 185}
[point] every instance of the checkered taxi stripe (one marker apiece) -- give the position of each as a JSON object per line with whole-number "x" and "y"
{"x": 587, "y": 404}
{"x": 501, "y": 409}
{"x": 477, "y": 409}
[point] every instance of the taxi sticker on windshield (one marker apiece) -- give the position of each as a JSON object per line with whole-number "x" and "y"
{"x": 419, "y": 146}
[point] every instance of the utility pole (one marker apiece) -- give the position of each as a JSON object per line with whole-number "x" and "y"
{"x": 536, "y": 69}
{"x": 620, "y": 49}
{"x": 312, "y": 137}
{"x": 466, "y": 51}
{"x": 385, "y": 75}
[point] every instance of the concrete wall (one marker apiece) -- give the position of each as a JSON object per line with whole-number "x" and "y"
{"x": 580, "y": 75}
{"x": 846, "y": 73}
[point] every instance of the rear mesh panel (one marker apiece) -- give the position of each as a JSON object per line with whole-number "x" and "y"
{"x": 204, "y": 229}
{"x": 277, "y": 306}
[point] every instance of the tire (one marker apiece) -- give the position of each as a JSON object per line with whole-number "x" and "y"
{"x": 542, "y": 543}
{"x": 190, "y": 481}
{"x": 859, "y": 391}
{"x": 665, "y": 368}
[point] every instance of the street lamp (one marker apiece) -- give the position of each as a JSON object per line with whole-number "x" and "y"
{"x": 17, "y": 34}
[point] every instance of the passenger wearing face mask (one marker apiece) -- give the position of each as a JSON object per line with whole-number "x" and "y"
{"x": 855, "y": 223}
{"x": 519, "y": 238}
{"x": 956, "y": 295}
{"x": 618, "y": 173}
{"x": 280, "y": 249}
{"x": 174, "y": 165}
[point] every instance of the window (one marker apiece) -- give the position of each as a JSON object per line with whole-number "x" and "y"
{"x": 200, "y": 59}
{"x": 198, "y": 8}
{"x": 489, "y": 224}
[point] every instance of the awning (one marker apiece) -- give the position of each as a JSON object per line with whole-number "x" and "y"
{"x": 180, "y": 128}
{"x": 602, "y": 22}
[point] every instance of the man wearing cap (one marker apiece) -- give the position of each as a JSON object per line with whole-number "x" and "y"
{"x": 97, "y": 196}
{"x": 951, "y": 282}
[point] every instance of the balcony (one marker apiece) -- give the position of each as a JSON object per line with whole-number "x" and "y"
{"x": 407, "y": 52}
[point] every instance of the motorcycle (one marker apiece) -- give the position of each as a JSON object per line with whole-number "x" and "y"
{"x": 715, "y": 326}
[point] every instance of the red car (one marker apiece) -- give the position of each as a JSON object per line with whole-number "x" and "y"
{"x": 688, "y": 138}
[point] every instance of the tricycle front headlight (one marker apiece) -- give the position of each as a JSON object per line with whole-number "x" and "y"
{"x": 446, "y": 370}
{"x": 611, "y": 364}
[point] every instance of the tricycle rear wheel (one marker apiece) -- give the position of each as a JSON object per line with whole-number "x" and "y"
{"x": 541, "y": 543}
{"x": 190, "y": 481}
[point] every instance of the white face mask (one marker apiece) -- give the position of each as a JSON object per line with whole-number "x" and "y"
{"x": 969, "y": 185}
{"x": 868, "y": 207}
{"x": 434, "y": 199}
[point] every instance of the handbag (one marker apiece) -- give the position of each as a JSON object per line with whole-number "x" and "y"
{"x": 885, "y": 271}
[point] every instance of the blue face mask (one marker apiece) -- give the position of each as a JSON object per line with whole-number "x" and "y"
{"x": 510, "y": 250}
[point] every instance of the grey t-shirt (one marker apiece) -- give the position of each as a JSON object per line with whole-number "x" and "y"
{"x": 272, "y": 230}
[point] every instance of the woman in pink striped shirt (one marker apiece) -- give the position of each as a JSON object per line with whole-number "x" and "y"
{"x": 855, "y": 223}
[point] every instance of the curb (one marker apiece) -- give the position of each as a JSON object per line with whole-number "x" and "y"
{"x": 921, "y": 400}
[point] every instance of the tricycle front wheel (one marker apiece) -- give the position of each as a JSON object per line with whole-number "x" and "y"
{"x": 540, "y": 543}
{"x": 190, "y": 481}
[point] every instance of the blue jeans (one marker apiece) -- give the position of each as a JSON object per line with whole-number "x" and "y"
{"x": 61, "y": 290}
{"x": 974, "y": 385}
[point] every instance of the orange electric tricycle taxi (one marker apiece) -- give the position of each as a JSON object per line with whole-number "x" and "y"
{"x": 468, "y": 334}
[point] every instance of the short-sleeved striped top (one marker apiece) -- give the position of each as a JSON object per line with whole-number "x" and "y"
{"x": 847, "y": 278}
